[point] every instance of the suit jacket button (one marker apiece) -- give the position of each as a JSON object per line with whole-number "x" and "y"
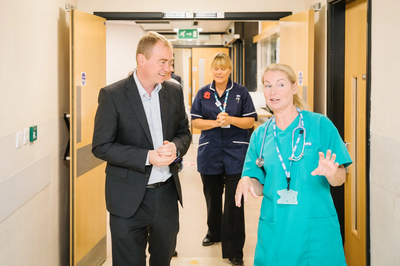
{"x": 147, "y": 176}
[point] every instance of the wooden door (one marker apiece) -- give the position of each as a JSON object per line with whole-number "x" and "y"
{"x": 355, "y": 131}
{"x": 87, "y": 177}
{"x": 201, "y": 68}
{"x": 296, "y": 48}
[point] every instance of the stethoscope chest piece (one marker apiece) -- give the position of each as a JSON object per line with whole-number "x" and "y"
{"x": 260, "y": 162}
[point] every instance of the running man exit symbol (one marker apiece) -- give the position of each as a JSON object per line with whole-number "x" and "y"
{"x": 188, "y": 34}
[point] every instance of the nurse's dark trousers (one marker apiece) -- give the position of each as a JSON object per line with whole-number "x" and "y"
{"x": 226, "y": 226}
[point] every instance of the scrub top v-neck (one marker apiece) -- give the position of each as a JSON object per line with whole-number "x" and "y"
{"x": 222, "y": 149}
{"x": 307, "y": 233}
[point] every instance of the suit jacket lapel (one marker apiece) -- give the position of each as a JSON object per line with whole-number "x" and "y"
{"x": 135, "y": 100}
{"x": 163, "y": 95}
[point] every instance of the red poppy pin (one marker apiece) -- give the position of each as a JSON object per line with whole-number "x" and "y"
{"x": 206, "y": 95}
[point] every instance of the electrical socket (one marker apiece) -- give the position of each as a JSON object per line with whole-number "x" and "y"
{"x": 18, "y": 139}
{"x": 26, "y": 135}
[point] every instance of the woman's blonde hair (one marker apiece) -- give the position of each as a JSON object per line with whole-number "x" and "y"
{"x": 221, "y": 59}
{"x": 297, "y": 101}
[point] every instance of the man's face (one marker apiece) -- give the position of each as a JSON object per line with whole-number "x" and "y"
{"x": 168, "y": 75}
{"x": 158, "y": 65}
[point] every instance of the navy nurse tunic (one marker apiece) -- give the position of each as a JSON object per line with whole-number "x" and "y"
{"x": 222, "y": 148}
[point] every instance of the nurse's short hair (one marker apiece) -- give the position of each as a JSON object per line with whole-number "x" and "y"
{"x": 222, "y": 60}
{"x": 147, "y": 43}
{"x": 288, "y": 70}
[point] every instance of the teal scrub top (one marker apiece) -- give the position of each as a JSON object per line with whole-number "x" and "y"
{"x": 307, "y": 233}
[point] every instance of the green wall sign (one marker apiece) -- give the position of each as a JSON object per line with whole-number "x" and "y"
{"x": 188, "y": 34}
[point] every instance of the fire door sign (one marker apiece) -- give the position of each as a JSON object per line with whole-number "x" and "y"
{"x": 301, "y": 77}
{"x": 83, "y": 79}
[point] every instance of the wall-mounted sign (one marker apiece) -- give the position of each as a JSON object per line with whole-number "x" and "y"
{"x": 188, "y": 34}
{"x": 83, "y": 79}
{"x": 300, "y": 77}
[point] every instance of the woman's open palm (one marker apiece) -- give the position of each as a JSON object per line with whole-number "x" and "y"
{"x": 326, "y": 165}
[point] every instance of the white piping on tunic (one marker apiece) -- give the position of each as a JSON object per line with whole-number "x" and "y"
{"x": 204, "y": 143}
{"x": 249, "y": 114}
{"x": 240, "y": 142}
{"x": 211, "y": 88}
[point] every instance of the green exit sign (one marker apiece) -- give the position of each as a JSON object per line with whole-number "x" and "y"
{"x": 188, "y": 34}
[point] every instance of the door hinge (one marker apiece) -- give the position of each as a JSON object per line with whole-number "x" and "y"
{"x": 68, "y": 7}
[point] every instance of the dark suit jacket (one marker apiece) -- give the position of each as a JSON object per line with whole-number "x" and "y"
{"x": 176, "y": 77}
{"x": 122, "y": 138}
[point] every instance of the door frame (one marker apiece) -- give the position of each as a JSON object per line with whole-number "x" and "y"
{"x": 335, "y": 94}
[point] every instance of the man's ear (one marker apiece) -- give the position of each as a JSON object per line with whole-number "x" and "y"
{"x": 141, "y": 59}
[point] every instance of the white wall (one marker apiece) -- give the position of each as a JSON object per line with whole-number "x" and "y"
{"x": 121, "y": 43}
{"x": 181, "y": 56}
{"x": 34, "y": 74}
{"x": 385, "y": 138}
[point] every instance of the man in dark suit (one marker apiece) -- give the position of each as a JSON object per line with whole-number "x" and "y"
{"x": 141, "y": 129}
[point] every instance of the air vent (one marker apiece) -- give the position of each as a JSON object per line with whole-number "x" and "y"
{"x": 178, "y": 15}
{"x": 209, "y": 15}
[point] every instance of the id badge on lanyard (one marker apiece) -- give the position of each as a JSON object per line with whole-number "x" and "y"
{"x": 288, "y": 196}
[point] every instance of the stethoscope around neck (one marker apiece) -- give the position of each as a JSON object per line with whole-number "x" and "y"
{"x": 300, "y": 126}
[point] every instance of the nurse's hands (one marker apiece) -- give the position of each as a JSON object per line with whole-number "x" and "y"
{"x": 335, "y": 174}
{"x": 245, "y": 184}
{"x": 224, "y": 119}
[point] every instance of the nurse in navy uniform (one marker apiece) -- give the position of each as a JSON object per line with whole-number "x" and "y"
{"x": 223, "y": 110}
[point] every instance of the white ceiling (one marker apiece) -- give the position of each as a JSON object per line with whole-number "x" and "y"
{"x": 208, "y": 26}
{"x": 167, "y": 27}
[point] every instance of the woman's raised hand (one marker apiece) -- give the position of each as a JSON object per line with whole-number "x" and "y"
{"x": 326, "y": 165}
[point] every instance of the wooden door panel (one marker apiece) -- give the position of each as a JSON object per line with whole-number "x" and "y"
{"x": 87, "y": 177}
{"x": 355, "y": 131}
{"x": 296, "y": 48}
{"x": 201, "y": 68}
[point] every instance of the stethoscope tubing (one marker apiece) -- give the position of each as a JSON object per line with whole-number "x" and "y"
{"x": 265, "y": 134}
{"x": 294, "y": 158}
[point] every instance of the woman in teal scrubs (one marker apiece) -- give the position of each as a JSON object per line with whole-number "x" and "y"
{"x": 291, "y": 161}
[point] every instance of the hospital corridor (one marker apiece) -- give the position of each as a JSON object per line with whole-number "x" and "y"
{"x": 90, "y": 90}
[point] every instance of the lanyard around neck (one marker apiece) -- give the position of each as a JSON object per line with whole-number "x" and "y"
{"x": 218, "y": 103}
{"x": 285, "y": 169}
